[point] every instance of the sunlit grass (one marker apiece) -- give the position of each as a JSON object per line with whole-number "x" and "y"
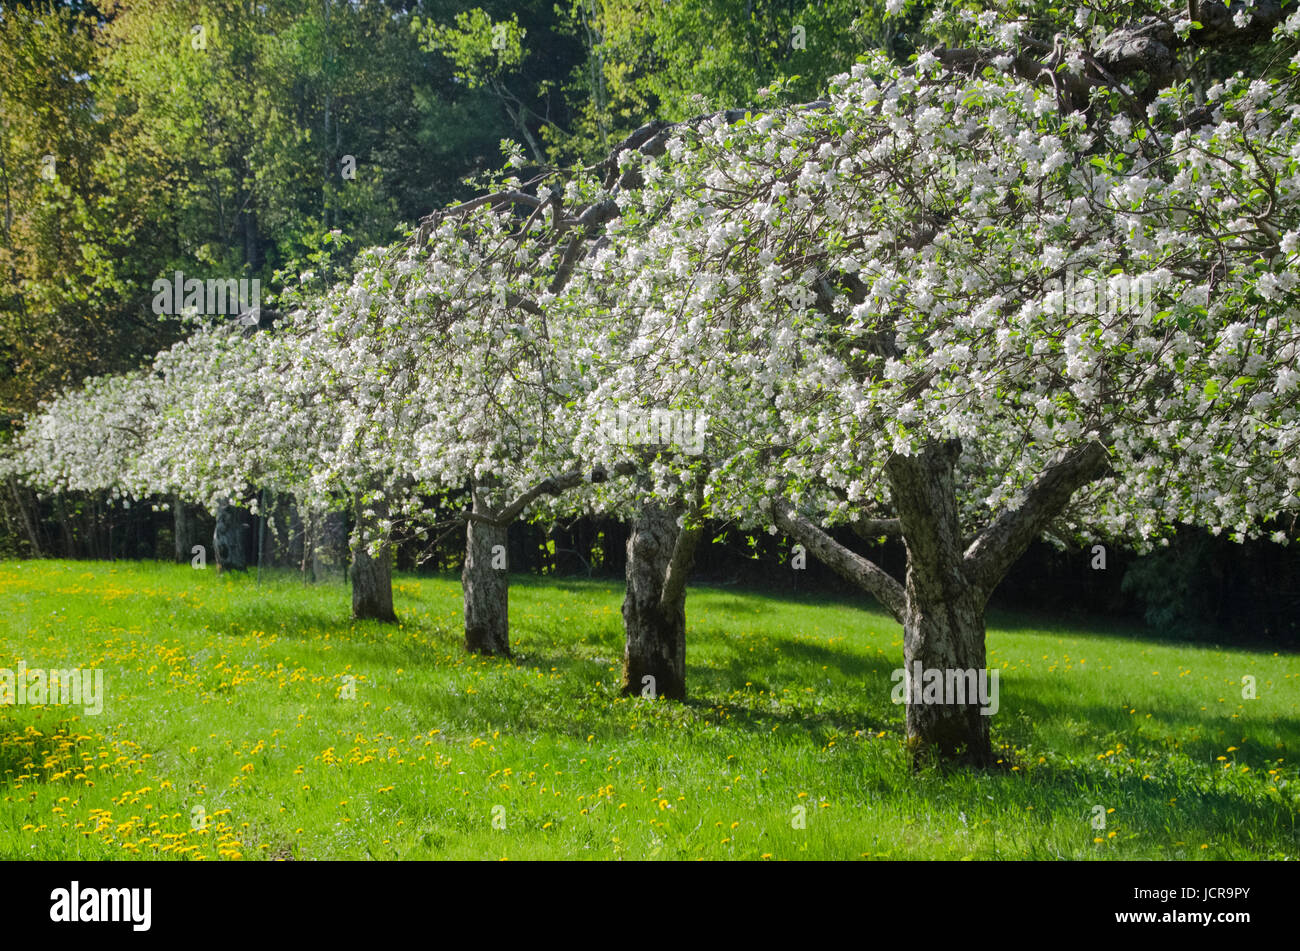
{"x": 228, "y": 698}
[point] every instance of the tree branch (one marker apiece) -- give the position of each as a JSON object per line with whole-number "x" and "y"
{"x": 683, "y": 558}
{"x": 552, "y": 485}
{"x": 1149, "y": 46}
{"x": 869, "y": 529}
{"x": 847, "y": 564}
{"x": 549, "y": 486}
{"x": 996, "y": 548}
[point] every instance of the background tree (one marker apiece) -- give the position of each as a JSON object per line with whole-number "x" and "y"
{"x": 670, "y": 61}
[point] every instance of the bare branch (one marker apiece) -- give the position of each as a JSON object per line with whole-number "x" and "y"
{"x": 996, "y": 548}
{"x": 847, "y": 564}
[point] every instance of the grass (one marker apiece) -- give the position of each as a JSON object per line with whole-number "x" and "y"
{"x": 227, "y": 732}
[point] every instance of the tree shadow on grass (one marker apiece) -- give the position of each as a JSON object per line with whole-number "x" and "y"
{"x": 1074, "y": 790}
{"x": 818, "y": 726}
{"x": 568, "y": 585}
{"x": 1026, "y": 622}
{"x": 588, "y": 671}
{"x": 1034, "y": 718}
{"x": 809, "y": 599}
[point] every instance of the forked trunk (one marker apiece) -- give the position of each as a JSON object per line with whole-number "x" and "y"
{"x": 485, "y": 581}
{"x": 950, "y": 694}
{"x": 654, "y": 656}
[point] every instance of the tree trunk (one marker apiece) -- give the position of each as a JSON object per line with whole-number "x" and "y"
{"x": 485, "y": 580}
{"x": 946, "y": 633}
{"x": 943, "y": 625}
{"x": 297, "y": 537}
{"x": 228, "y": 538}
{"x": 252, "y": 242}
{"x": 310, "y": 529}
{"x": 941, "y": 606}
{"x": 29, "y": 525}
{"x": 372, "y": 575}
{"x": 655, "y": 627}
{"x": 182, "y": 530}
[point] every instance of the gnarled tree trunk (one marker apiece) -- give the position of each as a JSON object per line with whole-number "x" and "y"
{"x": 484, "y": 579}
{"x": 372, "y": 581}
{"x": 941, "y": 605}
{"x": 943, "y": 625}
{"x": 659, "y": 559}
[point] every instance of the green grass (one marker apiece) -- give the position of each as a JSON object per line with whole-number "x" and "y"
{"x": 227, "y": 697}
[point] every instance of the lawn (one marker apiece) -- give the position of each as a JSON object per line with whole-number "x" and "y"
{"x": 229, "y": 731}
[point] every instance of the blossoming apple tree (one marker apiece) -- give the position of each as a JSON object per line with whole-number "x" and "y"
{"x": 867, "y": 299}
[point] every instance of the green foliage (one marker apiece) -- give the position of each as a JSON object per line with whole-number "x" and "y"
{"x": 671, "y": 61}
{"x": 216, "y": 138}
{"x": 514, "y": 54}
{"x": 64, "y": 282}
{"x": 480, "y": 49}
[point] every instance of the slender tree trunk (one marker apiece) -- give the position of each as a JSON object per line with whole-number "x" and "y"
{"x": 309, "y": 532}
{"x": 312, "y": 527}
{"x": 372, "y": 581}
{"x": 296, "y": 534}
{"x": 182, "y": 529}
{"x": 252, "y": 241}
{"x": 654, "y": 655}
{"x": 28, "y": 524}
{"x": 228, "y": 538}
{"x": 485, "y": 580}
